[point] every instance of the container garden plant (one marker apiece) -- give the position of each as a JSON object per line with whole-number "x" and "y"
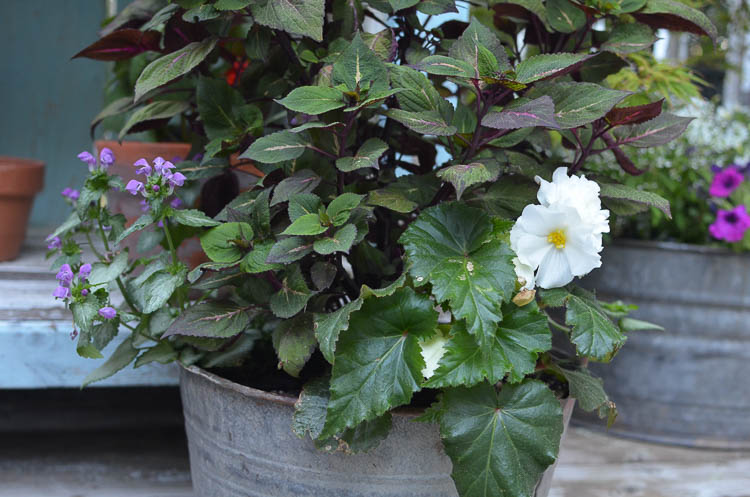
{"x": 384, "y": 270}
{"x": 22, "y": 179}
{"x": 689, "y": 275}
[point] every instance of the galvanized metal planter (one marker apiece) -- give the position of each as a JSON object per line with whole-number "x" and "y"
{"x": 241, "y": 444}
{"x": 688, "y": 385}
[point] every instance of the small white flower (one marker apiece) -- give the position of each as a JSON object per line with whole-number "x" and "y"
{"x": 525, "y": 274}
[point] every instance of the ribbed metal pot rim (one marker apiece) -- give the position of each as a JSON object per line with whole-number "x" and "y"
{"x": 287, "y": 400}
{"x": 673, "y": 247}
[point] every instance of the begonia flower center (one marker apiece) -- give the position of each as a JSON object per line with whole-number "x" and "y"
{"x": 557, "y": 238}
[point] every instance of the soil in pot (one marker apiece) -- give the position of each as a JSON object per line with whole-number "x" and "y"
{"x": 21, "y": 180}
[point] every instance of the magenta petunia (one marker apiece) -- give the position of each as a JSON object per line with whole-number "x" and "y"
{"x": 726, "y": 181}
{"x": 730, "y": 225}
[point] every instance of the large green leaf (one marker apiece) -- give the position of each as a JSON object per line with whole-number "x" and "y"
{"x": 425, "y": 122}
{"x": 104, "y": 273}
{"x": 520, "y": 337}
{"x": 577, "y": 104}
{"x": 121, "y": 357}
{"x": 418, "y": 93}
{"x": 564, "y": 16}
{"x": 500, "y": 443}
{"x": 193, "y": 217}
{"x": 210, "y": 319}
{"x": 293, "y": 295}
{"x": 629, "y": 37}
{"x": 277, "y": 147}
{"x": 378, "y": 362}
{"x": 152, "y": 112}
{"x": 523, "y": 113}
{"x": 446, "y": 66}
{"x": 313, "y": 100}
{"x": 153, "y": 289}
{"x": 548, "y": 66}
{"x": 358, "y": 67}
{"x": 340, "y": 241}
{"x": 227, "y": 242}
{"x": 676, "y": 16}
{"x": 308, "y": 224}
{"x": 173, "y": 65}
{"x": 301, "y": 17}
{"x": 640, "y": 200}
{"x": 469, "y": 45}
{"x": 658, "y": 131}
{"x": 367, "y": 156}
{"x": 452, "y": 246}
{"x": 288, "y": 250}
{"x": 294, "y": 342}
{"x": 303, "y": 181}
{"x": 310, "y": 409}
{"x": 594, "y": 334}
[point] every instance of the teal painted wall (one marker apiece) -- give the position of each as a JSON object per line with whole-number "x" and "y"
{"x": 46, "y": 99}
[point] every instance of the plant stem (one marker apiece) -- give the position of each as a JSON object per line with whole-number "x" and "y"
{"x": 557, "y": 325}
{"x": 118, "y": 280}
{"x": 93, "y": 249}
{"x": 165, "y": 224}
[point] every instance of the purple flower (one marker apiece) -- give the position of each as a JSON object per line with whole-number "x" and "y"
{"x": 156, "y": 188}
{"x": 84, "y": 271}
{"x": 144, "y": 205}
{"x": 61, "y": 292}
{"x": 163, "y": 167}
{"x": 65, "y": 275}
{"x": 107, "y": 312}
{"x": 176, "y": 203}
{"x": 54, "y": 243}
{"x": 88, "y": 159}
{"x": 726, "y": 181}
{"x": 70, "y": 193}
{"x": 143, "y": 167}
{"x": 730, "y": 225}
{"x": 134, "y": 187}
{"x": 84, "y": 292}
{"x": 106, "y": 157}
{"x": 176, "y": 179}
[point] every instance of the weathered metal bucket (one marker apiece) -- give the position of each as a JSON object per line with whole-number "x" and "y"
{"x": 688, "y": 385}
{"x": 241, "y": 445}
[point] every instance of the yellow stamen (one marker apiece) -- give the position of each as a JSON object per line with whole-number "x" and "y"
{"x": 557, "y": 238}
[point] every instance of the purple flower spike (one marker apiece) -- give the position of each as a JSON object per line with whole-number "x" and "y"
{"x": 133, "y": 187}
{"x": 88, "y": 159}
{"x": 61, "y": 292}
{"x": 54, "y": 243}
{"x": 175, "y": 203}
{"x": 164, "y": 168}
{"x": 65, "y": 275}
{"x": 70, "y": 193}
{"x": 726, "y": 181}
{"x": 730, "y": 225}
{"x": 176, "y": 179}
{"x": 106, "y": 157}
{"x": 143, "y": 167}
{"x": 157, "y": 163}
{"x": 84, "y": 292}
{"x": 107, "y": 312}
{"x": 84, "y": 271}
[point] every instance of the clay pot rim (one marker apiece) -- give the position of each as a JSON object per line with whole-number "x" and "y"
{"x": 287, "y": 400}
{"x": 7, "y": 161}
{"x": 26, "y": 177}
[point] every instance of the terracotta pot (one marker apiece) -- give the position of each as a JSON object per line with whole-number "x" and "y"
{"x": 126, "y": 153}
{"x": 21, "y": 180}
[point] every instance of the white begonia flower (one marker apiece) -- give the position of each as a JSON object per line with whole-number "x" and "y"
{"x": 577, "y": 192}
{"x": 561, "y": 238}
{"x": 525, "y": 274}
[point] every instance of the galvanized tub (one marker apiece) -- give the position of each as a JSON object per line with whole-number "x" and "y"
{"x": 689, "y": 384}
{"x": 241, "y": 445}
